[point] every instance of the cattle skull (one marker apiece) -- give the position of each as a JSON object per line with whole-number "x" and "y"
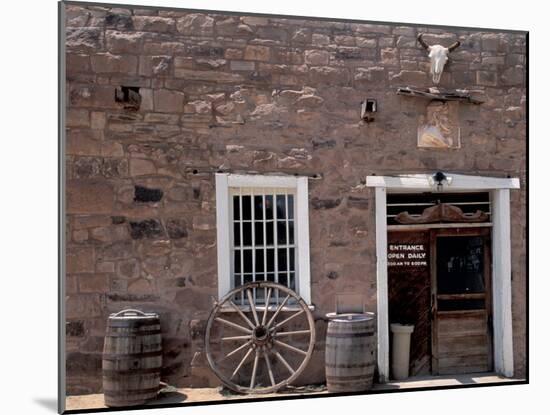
{"x": 438, "y": 57}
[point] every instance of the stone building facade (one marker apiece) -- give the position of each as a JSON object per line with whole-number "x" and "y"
{"x": 255, "y": 95}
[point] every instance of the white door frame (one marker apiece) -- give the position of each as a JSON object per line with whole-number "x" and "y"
{"x": 499, "y": 189}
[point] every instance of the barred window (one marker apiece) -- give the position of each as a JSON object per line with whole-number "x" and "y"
{"x": 268, "y": 235}
{"x": 263, "y": 237}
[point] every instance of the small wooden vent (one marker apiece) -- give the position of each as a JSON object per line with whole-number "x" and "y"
{"x": 429, "y": 208}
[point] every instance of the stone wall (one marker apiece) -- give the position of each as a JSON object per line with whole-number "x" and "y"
{"x": 254, "y": 94}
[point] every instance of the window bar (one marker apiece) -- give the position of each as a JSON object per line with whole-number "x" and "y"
{"x": 265, "y": 245}
{"x": 287, "y": 242}
{"x": 275, "y": 246}
{"x": 253, "y": 243}
{"x": 242, "y": 238}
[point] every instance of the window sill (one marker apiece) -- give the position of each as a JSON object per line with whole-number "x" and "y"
{"x": 245, "y": 308}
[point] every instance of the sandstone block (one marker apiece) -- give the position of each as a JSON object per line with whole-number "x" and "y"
{"x": 154, "y": 23}
{"x": 89, "y": 197}
{"x": 198, "y": 107}
{"x": 95, "y": 283}
{"x": 319, "y": 39}
{"x": 327, "y": 74}
{"x": 84, "y": 39}
{"x": 124, "y": 42}
{"x": 78, "y": 117}
{"x": 256, "y": 53}
{"x": 141, "y": 167}
{"x": 242, "y": 65}
{"x": 80, "y": 260}
{"x": 165, "y": 100}
{"x": 486, "y": 78}
{"x": 410, "y": 78}
{"x": 513, "y": 76}
{"x": 196, "y": 25}
{"x": 316, "y": 57}
{"x": 211, "y": 76}
{"x": 108, "y": 63}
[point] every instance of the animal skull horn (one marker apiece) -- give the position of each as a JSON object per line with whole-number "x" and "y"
{"x": 438, "y": 57}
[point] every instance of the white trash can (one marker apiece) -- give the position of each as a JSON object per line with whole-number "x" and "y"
{"x": 401, "y": 350}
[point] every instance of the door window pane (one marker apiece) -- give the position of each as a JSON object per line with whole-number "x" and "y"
{"x": 460, "y": 265}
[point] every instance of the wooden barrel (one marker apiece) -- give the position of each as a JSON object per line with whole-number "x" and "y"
{"x": 350, "y": 352}
{"x": 132, "y": 358}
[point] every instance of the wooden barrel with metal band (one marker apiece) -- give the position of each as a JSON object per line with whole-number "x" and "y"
{"x": 350, "y": 352}
{"x": 132, "y": 358}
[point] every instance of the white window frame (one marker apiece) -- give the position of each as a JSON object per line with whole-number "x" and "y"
{"x": 299, "y": 185}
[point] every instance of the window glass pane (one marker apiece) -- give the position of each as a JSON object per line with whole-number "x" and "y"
{"x": 259, "y": 233}
{"x": 247, "y": 215}
{"x": 271, "y": 277}
{"x": 237, "y": 261}
{"x": 270, "y": 260}
{"x": 281, "y": 232}
{"x": 259, "y": 261}
{"x": 281, "y": 208}
{"x": 247, "y": 278}
{"x": 247, "y": 234}
{"x": 292, "y": 282}
{"x": 281, "y": 259}
{"x": 269, "y": 233}
{"x": 236, "y": 210}
{"x": 290, "y": 209}
{"x": 236, "y": 234}
{"x": 291, "y": 259}
{"x": 460, "y": 265}
{"x": 258, "y": 208}
{"x": 290, "y": 232}
{"x": 269, "y": 207}
{"x": 247, "y": 263}
{"x": 283, "y": 279}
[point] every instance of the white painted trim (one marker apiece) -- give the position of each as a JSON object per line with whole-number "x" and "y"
{"x": 382, "y": 284}
{"x": 301, "y": 224}
{"x": 224, "y": 183}
{"x": 222, "y": 228}
{"x": 502, "y": 284}
{"x": 241, "y": 180}
{"x": 502, "y": 275}
{"x": 459, "y": 182}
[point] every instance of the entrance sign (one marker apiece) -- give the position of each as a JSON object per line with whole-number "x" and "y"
{"x": 407, "y": 255}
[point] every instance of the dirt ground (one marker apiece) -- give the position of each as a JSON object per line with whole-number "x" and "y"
{"x": 171, "y": 395}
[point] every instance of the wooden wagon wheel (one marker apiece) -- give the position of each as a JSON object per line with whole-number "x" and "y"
{"x": 242, "y": 341}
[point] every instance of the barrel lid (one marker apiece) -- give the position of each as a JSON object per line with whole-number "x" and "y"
{"x": 131, "y": 314}
{"x": 350, "y": 317}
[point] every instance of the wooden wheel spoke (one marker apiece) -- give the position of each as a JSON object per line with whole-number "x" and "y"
{"x": 237, "y": 350}
{"x": 274, "y": 316}
{"x": 254, "y": 368}
{"x": 240, "y": 313}
{"x": 235, "y": 338}
{"x": 241, "y": 363}
{"x": 234, "y": 325}
{"x": 259, "y": 334}
{"x": 282, "y": 323}
{"x": 269, "y": 370}
{"x": 252, "y": 306}
{"x": 289, "y": 347}
{"x": 267, "y": 299}
{"x": 289, "y": 333}
{"x": 284, "y": 362}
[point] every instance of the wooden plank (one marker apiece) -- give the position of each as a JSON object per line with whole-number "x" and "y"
{"x": 454, "y": 370}
{"x": 223, "y": 222}
{"x": 458, "y": 361}
{"x": 462, "y": 346}
{"x": 421, "y": 226}
{"x": 425, "y": 182}
{"x": 474, "y": 296}
{"x": 462, "y": 326}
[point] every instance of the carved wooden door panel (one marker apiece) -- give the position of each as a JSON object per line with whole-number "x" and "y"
{"x": 409, "y": 292}
{"x": 461, "y": 301}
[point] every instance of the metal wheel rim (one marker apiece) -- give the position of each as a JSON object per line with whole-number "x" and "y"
{"x": 301, "y": 308}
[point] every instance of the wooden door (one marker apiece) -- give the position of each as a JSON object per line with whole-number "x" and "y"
{"x": 461, "y": 301}
{"x": 409, "y": 292}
